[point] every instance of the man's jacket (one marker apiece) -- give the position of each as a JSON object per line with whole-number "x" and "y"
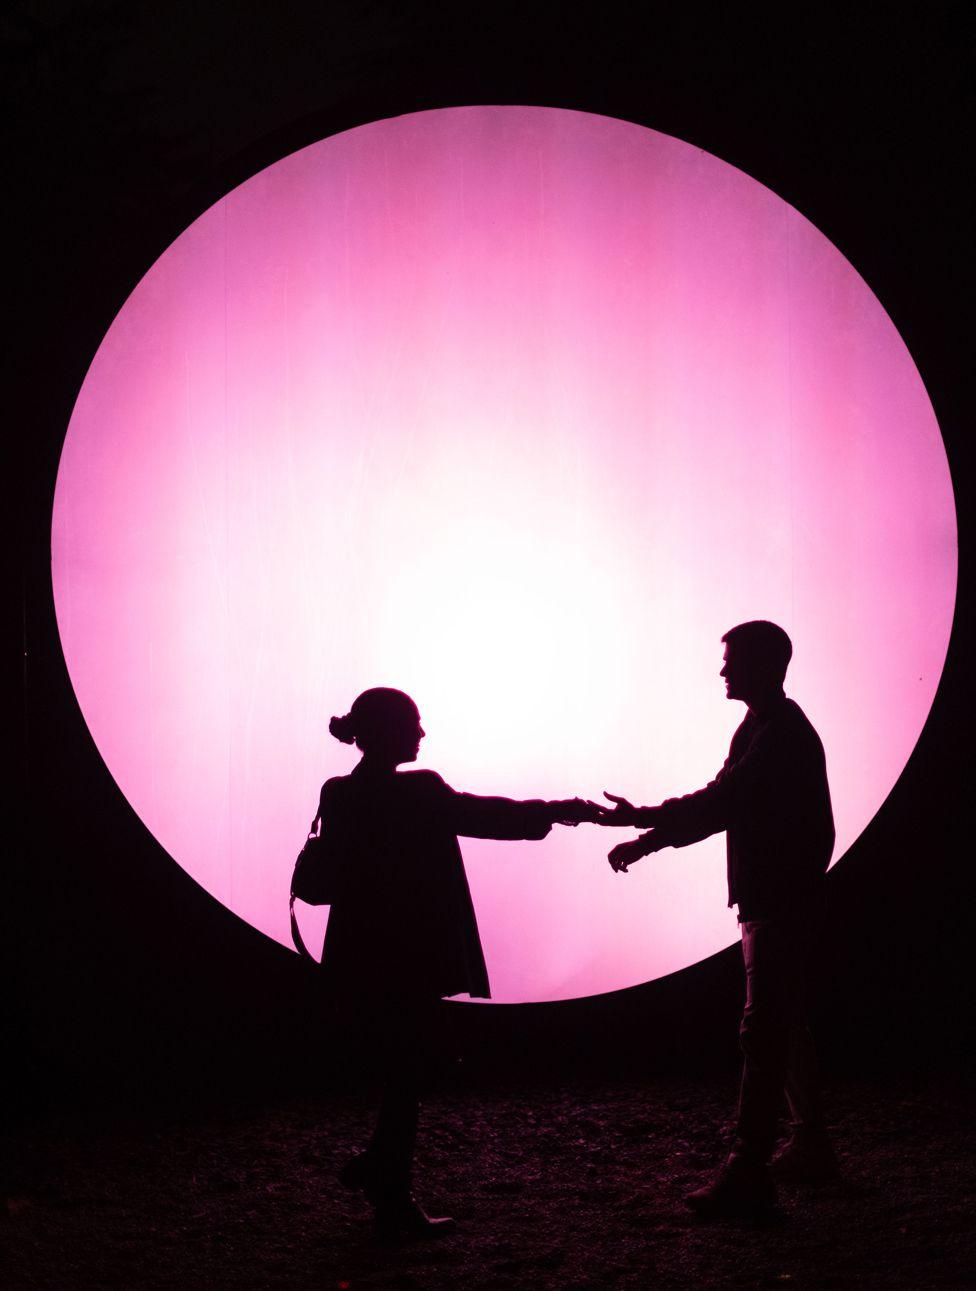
{"x": 771, "y": 798}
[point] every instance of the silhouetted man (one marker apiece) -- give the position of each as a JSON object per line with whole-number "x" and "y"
{"x": 771, "y": 799}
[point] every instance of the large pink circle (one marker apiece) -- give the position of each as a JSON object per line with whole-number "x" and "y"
{"x": 517, "y": 409}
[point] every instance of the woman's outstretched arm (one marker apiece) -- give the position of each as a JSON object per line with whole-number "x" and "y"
{"x": 474, "y": 816}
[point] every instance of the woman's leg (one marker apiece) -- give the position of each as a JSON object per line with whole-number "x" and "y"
{"x": 391, "y": 1148}
{"x": 408, "y": 1037}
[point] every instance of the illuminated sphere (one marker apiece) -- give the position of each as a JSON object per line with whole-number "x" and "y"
{"x": 517, "y": 410}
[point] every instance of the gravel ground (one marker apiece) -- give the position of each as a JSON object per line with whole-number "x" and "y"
{"x": 576, "y": 1185}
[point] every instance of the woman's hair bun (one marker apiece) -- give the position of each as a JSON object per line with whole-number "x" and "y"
{"x": 343, "y": 728}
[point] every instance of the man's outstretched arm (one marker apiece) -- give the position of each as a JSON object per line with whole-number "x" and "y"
{"x": 624, "y": 814}
{"x": 686, "y": 820}
{"x": 677, "y": 822}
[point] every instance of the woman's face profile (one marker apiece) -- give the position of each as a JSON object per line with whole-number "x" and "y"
{"x": 411, "y": 733}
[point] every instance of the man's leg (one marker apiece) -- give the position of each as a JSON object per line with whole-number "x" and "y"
{"x": 807, "y": 1157}
{"x": 766, "y": 1032}
{"x": 744, "y": 1187}
{"x": 803, "y": 1082}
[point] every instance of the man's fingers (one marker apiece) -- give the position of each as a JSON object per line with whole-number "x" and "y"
{"x": 613, "y": 797}
{"x": 618, "y": 858}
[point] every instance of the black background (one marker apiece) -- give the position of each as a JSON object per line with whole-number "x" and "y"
{"x": 126, "y": 120}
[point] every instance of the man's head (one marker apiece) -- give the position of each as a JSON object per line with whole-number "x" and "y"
{"x": 757, "y": 655}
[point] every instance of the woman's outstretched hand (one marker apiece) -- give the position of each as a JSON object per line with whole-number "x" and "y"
{"x": 577, "y": 811}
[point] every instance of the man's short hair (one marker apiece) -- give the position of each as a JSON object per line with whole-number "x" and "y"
{"x": 765, "y": 644}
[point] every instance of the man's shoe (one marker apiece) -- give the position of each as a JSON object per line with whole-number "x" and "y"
{"x": 742, "y": 1190}
{"x": 404, "y": 1218}
{"x": 806, "y": 1158}
{"x": 358, "y": 1172}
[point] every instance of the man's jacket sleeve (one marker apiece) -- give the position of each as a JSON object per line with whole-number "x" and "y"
{"x": 695, "y": 816}
{"x": 738, "y": 790}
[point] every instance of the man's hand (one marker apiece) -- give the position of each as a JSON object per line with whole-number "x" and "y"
{"x": 622, "y": 813}
{"x": 625, "y": 854}
{"x": 577, "y": 811}
{"x": 626, "y": 814}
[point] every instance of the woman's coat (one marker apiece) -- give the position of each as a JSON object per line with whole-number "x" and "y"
{"x": 402, "y": 922}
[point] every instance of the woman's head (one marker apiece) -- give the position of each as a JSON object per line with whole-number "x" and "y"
{"x": 384, "y": 723}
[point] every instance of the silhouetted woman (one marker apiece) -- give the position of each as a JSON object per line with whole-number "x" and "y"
{"x": 402, "y": 932}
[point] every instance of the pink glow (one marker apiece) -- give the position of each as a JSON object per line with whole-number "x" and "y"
{"x": 517, "y": 410}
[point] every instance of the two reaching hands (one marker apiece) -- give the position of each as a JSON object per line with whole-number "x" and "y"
{"x": 578, "y": 811}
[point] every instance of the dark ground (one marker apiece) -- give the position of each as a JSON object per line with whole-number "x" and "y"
{"x": 562, "y": 1185}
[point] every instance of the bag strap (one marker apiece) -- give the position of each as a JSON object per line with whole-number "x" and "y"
{"x": 296, "y": 934}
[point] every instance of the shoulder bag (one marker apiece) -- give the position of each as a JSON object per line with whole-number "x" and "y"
{"x": 313, "y": 880}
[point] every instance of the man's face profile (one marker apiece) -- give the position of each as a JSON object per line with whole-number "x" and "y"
{"x": 742, "y": 676}
{"x": 728, "y": 672}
